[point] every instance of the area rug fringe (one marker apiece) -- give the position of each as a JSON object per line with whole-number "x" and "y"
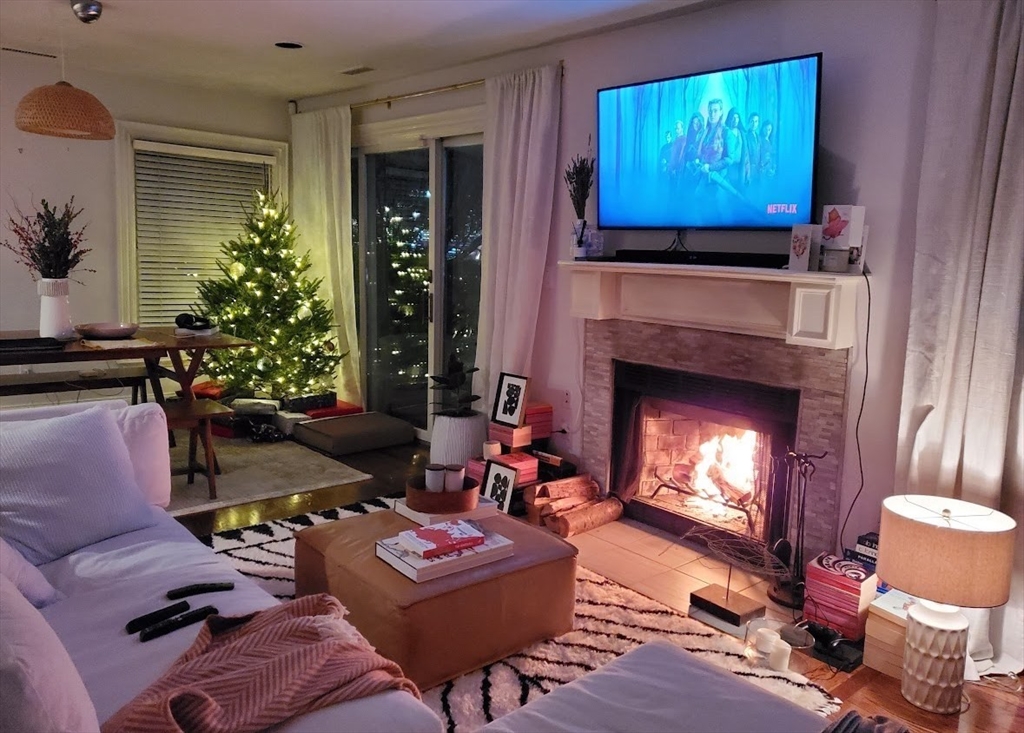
{"x": 610, "y": 620}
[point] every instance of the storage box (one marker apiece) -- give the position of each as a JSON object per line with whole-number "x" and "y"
{"x": 510, "y": 437}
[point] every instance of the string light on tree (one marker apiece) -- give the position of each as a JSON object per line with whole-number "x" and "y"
{"x": 264, "y": 297}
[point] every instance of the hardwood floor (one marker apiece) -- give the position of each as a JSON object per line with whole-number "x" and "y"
{"x": 991, "y": 709}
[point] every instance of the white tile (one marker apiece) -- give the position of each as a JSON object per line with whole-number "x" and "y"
{"x": 589, "y": 547}
{"x": 715, "y": 571}
{"x": 620, "y": 565}
{"x": 671, "y": 588}
{"x": 623, "y": 533}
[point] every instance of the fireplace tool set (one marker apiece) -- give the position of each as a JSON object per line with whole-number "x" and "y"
{"x": 788, "y": 589}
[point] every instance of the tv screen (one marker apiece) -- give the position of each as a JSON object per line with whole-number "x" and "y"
{"x": 729, "y": 149}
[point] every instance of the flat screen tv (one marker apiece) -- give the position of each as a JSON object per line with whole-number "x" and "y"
{"x": 727, "y": 149}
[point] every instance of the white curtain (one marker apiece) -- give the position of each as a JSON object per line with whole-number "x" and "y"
{"x": 960, "y": 426}
{"x": 321, "y": 203}
{"x": 520, "y": 173}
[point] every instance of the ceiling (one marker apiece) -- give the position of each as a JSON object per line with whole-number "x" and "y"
{"x": 230, "y": 43}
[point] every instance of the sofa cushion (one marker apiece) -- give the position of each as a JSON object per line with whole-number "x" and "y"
{"x": 26, "y": 577}
{"x": 40, "y": 687}
{"x": 143, "y": 427}
{"x": 65, "y": 483}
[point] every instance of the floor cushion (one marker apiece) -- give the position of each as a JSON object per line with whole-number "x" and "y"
{"x": 338, "y": 436}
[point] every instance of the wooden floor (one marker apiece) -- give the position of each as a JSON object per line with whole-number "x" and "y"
{"x": 991, "y": 709}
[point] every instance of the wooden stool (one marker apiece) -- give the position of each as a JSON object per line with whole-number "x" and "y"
{"x": 195, "y": 416}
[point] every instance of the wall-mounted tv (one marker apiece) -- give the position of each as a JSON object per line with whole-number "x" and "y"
{"x": 727, "y": 149}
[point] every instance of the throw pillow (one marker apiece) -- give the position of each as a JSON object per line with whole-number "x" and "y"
{"x": 65, "y": 483}
{"x": 39, "y": 685}
{"x": 26, "y": 577}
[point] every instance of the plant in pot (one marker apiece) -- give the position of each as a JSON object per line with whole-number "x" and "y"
{"x": 459, "y": 431}
{"x": 51, "y": 250}
{"x": 579, "y": 179}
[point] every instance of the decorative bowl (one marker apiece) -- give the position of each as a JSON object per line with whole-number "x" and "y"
{"x": 106, "y": 330}
{"x": 419, "y": 499}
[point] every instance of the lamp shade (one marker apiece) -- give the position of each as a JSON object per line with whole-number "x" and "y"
{"x": 946, "y": 550}
{"x": 61, "y": 110}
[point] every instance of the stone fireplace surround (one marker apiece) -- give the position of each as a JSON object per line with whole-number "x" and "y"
{"x": 820, "y": 374}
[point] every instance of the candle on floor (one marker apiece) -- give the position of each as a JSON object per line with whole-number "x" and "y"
{"x": 778, "y": 657}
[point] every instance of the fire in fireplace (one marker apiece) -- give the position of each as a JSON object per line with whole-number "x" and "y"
{"x": 694, "y": 449}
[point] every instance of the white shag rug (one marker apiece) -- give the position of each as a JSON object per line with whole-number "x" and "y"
{"x": 610, "y": 620}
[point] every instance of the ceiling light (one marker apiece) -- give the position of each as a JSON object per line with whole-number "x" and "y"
{"x": 61, "y": 110}
{"x": 288, "y": 44}
{"x": 87, "y": 10}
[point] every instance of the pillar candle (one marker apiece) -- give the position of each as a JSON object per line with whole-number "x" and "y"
{"x": 492, "y": 448}
{"x": 778, "y": 657}
{"x": 434, "y": 479}
{"x": 454, "y": 477}
{"x": 766, "y": 639}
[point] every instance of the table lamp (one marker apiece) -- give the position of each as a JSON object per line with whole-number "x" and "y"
{"x": 946, "y": 553}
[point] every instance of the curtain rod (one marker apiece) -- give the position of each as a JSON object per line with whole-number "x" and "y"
{"x": 427, "y": 92}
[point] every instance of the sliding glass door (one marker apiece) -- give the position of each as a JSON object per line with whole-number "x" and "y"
{"x": 419, "y": 223}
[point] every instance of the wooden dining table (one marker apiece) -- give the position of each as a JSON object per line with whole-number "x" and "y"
{"x": 150, "y": 344}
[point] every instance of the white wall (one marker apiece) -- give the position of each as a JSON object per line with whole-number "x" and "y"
{"x": 874, "y": 91}
{"x": 33, "y": 167}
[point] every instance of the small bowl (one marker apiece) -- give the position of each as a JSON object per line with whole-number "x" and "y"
{"x": 419, "y": 499}
{"x": 107, "y": 330}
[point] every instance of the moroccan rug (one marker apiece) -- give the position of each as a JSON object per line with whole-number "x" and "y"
{"x": 610, "y": 620}
{"x": 252, "y": 471}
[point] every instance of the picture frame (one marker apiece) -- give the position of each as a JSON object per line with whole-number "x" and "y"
{"x": 498, "y": 483}
{"x": 510, "y": 400}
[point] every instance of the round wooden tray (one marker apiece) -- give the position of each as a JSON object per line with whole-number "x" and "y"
{"x": 419, "y": 499}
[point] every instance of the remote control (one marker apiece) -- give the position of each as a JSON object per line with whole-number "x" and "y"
{"x": 197, "y": 588}
{"x": 138, "y": 624}
{"x": 178, "y": 622}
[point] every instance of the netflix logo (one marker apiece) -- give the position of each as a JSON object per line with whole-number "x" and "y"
{"x": 781, "y": 208}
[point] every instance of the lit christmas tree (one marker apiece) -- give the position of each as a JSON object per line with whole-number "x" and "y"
{"x": 264, "y": 298}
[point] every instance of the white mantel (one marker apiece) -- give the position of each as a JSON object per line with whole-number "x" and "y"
{"x": 803, "y": 308}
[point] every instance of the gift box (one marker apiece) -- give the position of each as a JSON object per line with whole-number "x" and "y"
{"x": 338, "y": 409}
{"x": 307, "y": 402}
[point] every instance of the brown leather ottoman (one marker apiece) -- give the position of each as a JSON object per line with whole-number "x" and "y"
{"x": 441, "y": 628}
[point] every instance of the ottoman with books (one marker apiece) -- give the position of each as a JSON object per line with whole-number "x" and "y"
{"x": 441, "y": 628}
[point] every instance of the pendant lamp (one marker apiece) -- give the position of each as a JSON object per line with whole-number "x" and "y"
{"x": 61, "y": 110}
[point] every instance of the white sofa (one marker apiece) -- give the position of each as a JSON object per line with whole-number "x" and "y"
{"x": 107, "y": 583}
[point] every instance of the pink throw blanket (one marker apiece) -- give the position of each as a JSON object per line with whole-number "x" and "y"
{"x": 251, "y": 672}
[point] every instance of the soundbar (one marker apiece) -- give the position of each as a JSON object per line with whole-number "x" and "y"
{"x": 713, "y": 259}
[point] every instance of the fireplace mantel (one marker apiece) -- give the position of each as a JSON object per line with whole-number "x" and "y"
{"x": 806, "y": 309}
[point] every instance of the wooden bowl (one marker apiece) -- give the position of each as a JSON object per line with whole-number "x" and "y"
{"x": 419, "y": 499}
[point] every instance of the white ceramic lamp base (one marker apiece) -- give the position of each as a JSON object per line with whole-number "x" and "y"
{"x": 934, "y": 657}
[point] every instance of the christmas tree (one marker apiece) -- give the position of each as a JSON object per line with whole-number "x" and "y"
{"x": 264, "y": 298}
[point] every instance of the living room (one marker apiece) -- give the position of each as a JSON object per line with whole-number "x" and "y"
{"x": 877, "y": 71}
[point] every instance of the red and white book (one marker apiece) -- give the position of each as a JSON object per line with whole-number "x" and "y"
{"x": 440, "y": 539}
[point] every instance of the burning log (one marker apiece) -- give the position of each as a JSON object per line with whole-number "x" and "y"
{"x": 585, "y": 517}
{"x": 731, "y": 492}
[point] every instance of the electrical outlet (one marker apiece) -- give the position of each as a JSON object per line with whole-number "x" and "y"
{"x": 564, "y": 410}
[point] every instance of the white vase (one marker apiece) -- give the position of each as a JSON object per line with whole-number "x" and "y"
{"x": 579, "y": 244}
{"x": 54, "y": 309}
{"x": 454, "y": 440}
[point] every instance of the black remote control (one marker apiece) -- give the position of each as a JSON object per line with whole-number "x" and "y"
{"x": 197, "y": 588}
{"x": 178, "y": 622}
{"x": 138, "y": 624}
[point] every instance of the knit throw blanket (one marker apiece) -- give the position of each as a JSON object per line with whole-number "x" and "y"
{"x": 251, "y": 672}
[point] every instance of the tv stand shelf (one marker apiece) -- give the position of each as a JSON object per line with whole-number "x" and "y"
{"x": 816, "y": 309}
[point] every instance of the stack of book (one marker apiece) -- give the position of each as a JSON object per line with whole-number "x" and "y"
{"x": 527, "y": 467}
{"x": 866, "y": 551}
{"x": 510, "y": 437}
{"x": 437, "y": 550}
{"x": 837, "y": 594}
{"x": 485, "y": 508}
{"x": 885, "y": 633}
{"x": 540, "y": 418}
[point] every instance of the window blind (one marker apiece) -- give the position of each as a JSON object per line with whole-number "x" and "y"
{"x": 185, "y": 207}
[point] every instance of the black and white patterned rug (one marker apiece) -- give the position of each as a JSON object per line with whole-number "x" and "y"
{"x": 610, "y": 620}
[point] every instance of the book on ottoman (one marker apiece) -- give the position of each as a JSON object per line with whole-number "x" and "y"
{"x": 495, "y": 547}
{"x": 440, "y": 539}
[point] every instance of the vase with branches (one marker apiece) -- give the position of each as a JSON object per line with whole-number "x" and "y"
{"x": 47, "y": 243}
{"x": 579, "y": 179}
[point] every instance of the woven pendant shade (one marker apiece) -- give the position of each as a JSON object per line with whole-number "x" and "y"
{"x": 61, "y": 110}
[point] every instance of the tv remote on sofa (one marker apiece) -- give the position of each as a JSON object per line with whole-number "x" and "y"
{"x": 178, "y": 622}
{"x": 197, "y": 588}
{"x": 138, "y": 624}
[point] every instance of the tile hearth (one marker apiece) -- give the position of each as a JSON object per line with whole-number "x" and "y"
{"x": 663, "y": 567}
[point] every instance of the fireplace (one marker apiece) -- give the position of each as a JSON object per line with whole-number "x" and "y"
{"x": 693, "y": 449}
{"x": 789, "y": 396}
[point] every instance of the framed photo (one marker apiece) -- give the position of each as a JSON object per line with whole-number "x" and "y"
{"x": 510, "y": 400}
{"x": 498, "y": 483}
